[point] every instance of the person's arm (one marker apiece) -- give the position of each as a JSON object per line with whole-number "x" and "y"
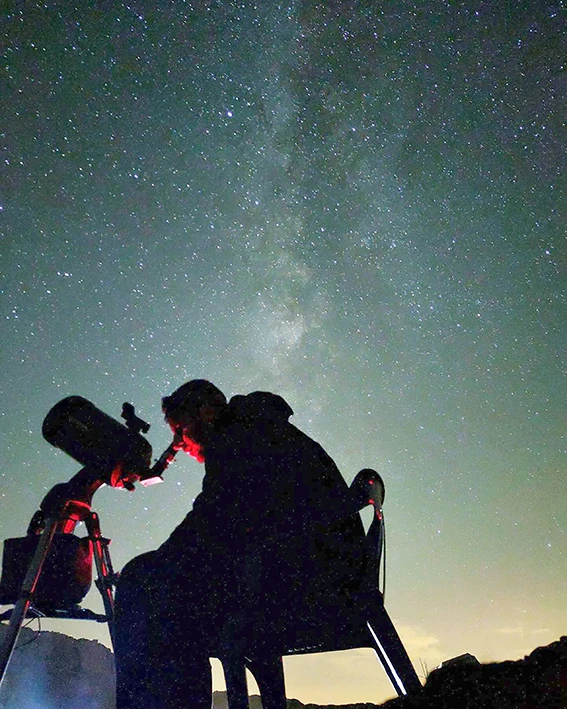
{"x": 234, "y": 501}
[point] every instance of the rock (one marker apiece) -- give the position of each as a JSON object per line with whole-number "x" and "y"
{"x": 539, "y": 681}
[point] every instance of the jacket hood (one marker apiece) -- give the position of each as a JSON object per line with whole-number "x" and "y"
{"x": 259, "y": 405}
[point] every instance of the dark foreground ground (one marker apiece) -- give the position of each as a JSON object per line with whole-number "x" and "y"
{"x": 54, "y": 670}
{"x": 539, "y": 681}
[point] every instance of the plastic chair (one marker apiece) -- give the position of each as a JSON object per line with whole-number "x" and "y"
{"x": 363, "y": 623}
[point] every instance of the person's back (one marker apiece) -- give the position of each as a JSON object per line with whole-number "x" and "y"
{"x": 272, "y": 492}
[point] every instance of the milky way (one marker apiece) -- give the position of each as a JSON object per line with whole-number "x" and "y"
{"x": 358, "y": 205}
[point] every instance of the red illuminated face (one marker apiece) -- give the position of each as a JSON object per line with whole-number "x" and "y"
{"x": 184, "y": 433}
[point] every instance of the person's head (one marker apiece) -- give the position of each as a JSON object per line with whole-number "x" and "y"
{"x": 191, "y": 412}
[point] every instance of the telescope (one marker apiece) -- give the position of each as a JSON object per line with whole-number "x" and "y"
{"x": 117, "y": 452}
{"x": 49, "y": 571}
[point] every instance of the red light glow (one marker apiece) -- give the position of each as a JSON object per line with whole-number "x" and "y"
{"x": 194, "y": 449}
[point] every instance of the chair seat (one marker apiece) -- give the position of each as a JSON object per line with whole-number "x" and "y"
{"x": 324, "y": 628}
{"x": 259, "y": 646}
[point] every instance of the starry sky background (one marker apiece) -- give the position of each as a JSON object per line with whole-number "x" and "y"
{"x": 357, "y": 205}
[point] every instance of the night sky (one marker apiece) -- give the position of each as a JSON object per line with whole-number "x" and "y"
{"x": 357, "y": 205}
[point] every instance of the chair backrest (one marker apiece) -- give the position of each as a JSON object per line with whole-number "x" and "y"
{"x": 368, "y": 488}
{"x": 259, "y": 617}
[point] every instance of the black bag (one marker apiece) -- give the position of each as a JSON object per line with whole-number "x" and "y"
{"x": 66, "y": 575}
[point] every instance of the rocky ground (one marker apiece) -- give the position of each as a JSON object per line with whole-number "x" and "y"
{"x": 539, "y": 681}
{"x": 55, "y": 670}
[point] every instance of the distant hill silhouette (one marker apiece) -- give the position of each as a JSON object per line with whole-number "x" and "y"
{"x": 220, "y": 702}
{"x": 56, "y": 671}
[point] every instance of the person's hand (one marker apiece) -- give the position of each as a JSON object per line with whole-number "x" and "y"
{"x": 177, "y": 443}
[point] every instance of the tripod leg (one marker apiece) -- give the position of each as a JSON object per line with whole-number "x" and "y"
{"x": 28, "y": 587}
{"x": 105, "y": 574}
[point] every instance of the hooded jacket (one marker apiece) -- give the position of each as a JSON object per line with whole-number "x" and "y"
{"x": 269, "y": 486}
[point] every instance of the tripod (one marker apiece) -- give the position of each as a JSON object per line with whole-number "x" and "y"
{"x": 114, "y": 454}
{"x": 62, "y": 509}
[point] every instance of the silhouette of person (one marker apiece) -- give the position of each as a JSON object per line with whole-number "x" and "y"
{"x": 268, "y": 487}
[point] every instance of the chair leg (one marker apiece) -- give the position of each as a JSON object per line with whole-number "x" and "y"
{"x": 236, "y": 686}
{"x": 268, "y": 673}
{"x": 392, "y": 654}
